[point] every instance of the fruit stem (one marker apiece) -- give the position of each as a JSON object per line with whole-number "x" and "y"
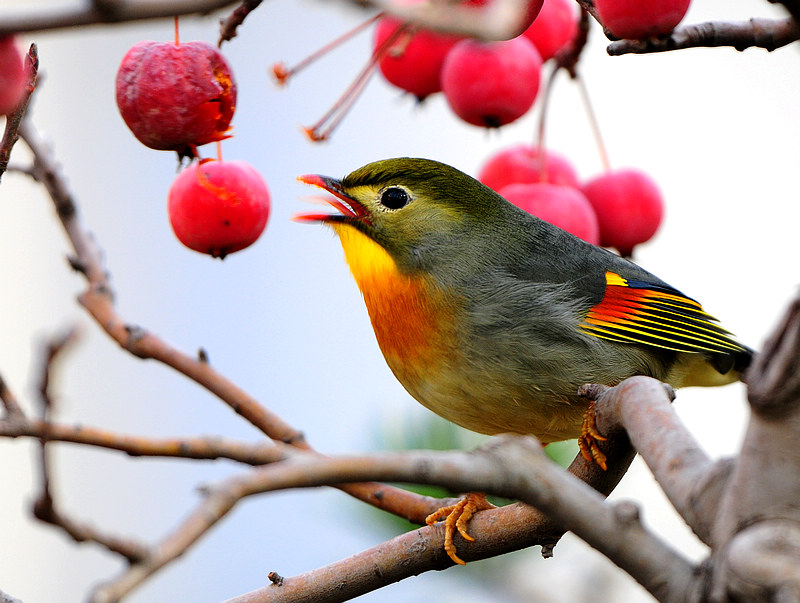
{"x": 598, "y": 138}
{"x": 282, "y": 74}
{"x": 177, "y": 34}
{"x": 219, "y": 150}
{"x": 540, "y": 131}
{"x": 340, "y": 108}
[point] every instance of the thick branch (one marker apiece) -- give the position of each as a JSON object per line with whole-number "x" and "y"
{"x": 94, "y": 13}
{"x": 693, "y": 484}
{"x": 764, "y": 484}
{"x": 501, "y": 530}
{"x": 755, "y": 33}
{"x": 497, "y": 20}
{"x": 793, "y": 6}
{"x": 513, "y": 467}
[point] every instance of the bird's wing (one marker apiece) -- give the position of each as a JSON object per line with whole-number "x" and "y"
{"x": 654, "y": 314}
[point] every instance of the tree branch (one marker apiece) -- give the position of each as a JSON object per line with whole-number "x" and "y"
{"x": 44, "y": 507}
{"x": 692, "y": 483}
{"x": 11, "y": 132}
{"x": 501, "y": 530}
{"x": 793, "y": 6}
{"x": 230, "y": 24}
{"x": 768, "y": 463}
{"x": 510, "y": 466}
{"x": 198, "y": 448}
{"x": 14, "y": 411}
{"x": 96, "y": 13}
{"x": 760, "y": 33}
{"x": 98, "y": 301}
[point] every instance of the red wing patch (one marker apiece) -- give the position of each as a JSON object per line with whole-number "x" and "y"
{"x": 639, "y": 312}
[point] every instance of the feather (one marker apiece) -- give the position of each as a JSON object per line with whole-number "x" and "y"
{"x": 633, "y": 311}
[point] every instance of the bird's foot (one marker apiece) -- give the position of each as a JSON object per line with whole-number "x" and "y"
{"x": 456, "y": 517}
{"x": 587, "y": 441}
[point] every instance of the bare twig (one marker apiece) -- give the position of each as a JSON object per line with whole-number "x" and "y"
{"x": 98, "y": 301}
{"x": 96, "y": 13}
{"x": 11, "y": 132}
{"x": 231, "y": 23}
{"x": 44, "y": 507}
{"x": 5, "y": 598}
{"x": 759, "y": 33}
{"x": 199, "y": 448}
{"x": 14, "y": 411}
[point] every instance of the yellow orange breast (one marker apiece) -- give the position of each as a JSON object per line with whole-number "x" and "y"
{"x": 411, "y": 317}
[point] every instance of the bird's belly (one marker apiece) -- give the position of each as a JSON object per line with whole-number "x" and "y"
{"x": 488, "y": 408}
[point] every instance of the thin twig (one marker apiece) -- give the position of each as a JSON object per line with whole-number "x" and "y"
{"x": 11, "y": 132}
{"x": 199, "y": 448}
{"x": 231, "y": 23}
{"x": 44, "y": 507}
{"x": 98, "y": 301}
{"x": 14, "y": 411}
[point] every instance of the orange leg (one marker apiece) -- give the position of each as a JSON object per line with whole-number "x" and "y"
{"x": 456, "y": 518}
{"x": 587, "y": 441}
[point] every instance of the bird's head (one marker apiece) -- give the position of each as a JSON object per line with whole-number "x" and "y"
{"x": 415, "y": 209}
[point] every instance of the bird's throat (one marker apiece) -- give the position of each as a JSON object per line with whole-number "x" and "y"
{"x": 407, "y": 312}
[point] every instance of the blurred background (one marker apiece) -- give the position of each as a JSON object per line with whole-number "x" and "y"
{"x": 717, "y": 129}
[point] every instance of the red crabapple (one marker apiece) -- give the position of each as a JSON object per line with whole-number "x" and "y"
{"x": 629, "y": 208}
{"x": 413, "y": 62}
{"x": 173, "y": 97}
{"x": 12, "y": 75}
{"x": 554, "y": 28}
{"x": 562, "y": 206}
{"x": 532, "y": 10}
{"x": 491, "y": 84}
{"x": 636, "y": 19}
{"x": 524, "y": 163}
{"x": 218, "y": 207}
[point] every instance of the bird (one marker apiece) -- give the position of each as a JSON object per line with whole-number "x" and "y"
{"x": 493, "y": 318}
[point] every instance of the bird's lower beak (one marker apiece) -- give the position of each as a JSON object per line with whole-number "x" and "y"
{"x": 349, "y": 207}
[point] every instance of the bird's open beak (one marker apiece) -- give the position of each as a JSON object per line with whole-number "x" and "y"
{"x": 349, "y": 207}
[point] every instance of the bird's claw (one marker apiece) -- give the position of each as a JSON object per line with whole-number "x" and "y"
{"x": 587, "y": 441}
{"x": 456, "y": 517}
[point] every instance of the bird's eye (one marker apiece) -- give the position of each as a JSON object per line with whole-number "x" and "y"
{"x": 394, "y": 197}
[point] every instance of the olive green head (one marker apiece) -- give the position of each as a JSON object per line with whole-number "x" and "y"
{"x": 416, "y": 209}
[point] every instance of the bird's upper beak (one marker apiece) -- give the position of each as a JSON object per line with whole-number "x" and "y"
{"x": 350, "y": 208}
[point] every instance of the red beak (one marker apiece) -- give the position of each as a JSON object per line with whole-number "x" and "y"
{"x": 349, "y": 207}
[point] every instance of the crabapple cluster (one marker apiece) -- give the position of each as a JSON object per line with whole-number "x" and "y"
{"x": 176, "y": 97}
{"x": 487, "y": 84}
{"x": 620, "y": 208}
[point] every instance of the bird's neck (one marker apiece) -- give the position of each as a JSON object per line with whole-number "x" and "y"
{"x": 409, "y": 314}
